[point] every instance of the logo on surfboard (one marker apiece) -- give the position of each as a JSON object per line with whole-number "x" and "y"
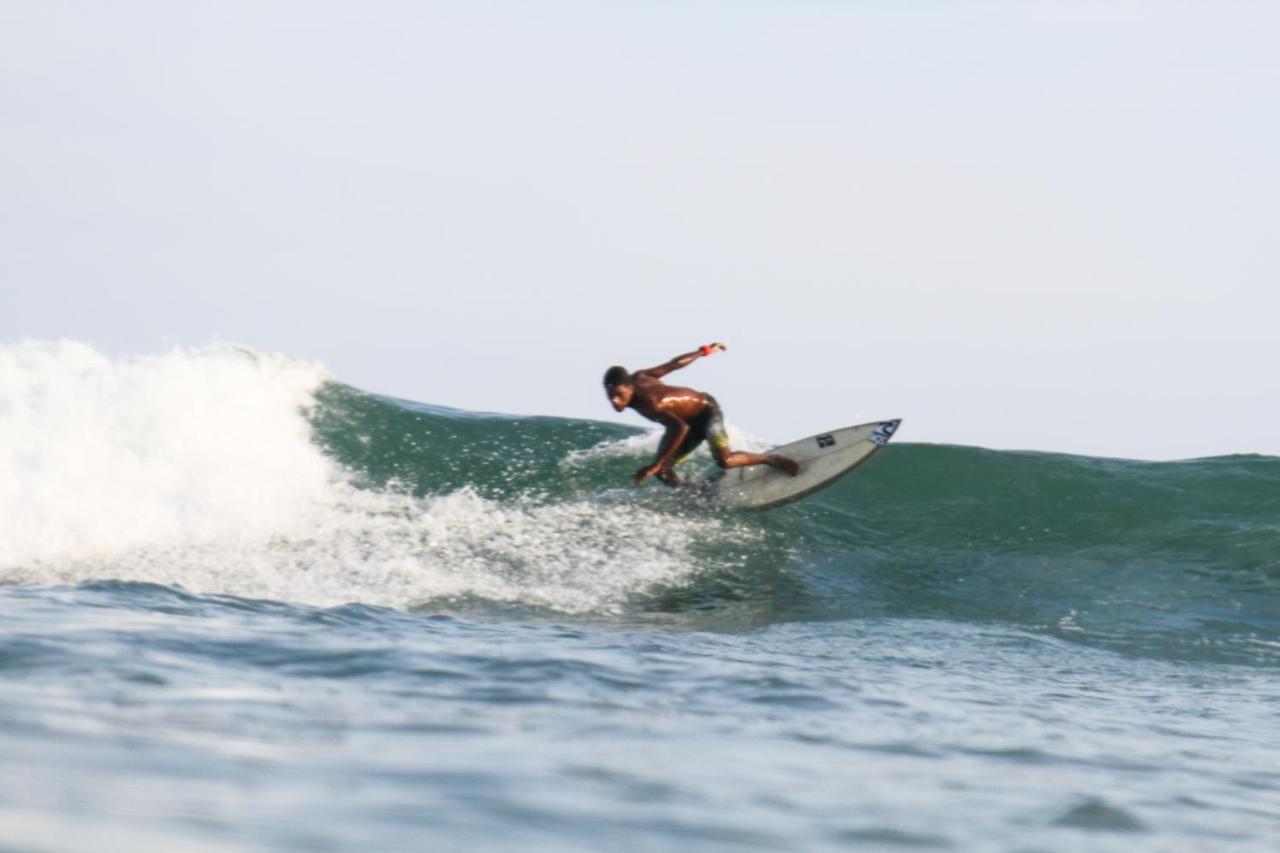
{"x": 826, "y": 441}
{"x": 883, "y": 433}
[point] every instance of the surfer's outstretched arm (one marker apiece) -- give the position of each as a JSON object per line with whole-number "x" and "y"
{"x": 681, "y": 361}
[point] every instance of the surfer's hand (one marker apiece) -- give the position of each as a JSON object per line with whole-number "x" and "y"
{"x": 645, "y": 473}
{"x": 671, "y": 478}
{"x": 707, "y": 349}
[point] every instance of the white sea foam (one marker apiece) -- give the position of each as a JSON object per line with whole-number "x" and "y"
{"x": 645, "y": 444}
{"x": 637, "y": 445}
{"x": 194, "y": 446}
{"x": 196, "y": 468}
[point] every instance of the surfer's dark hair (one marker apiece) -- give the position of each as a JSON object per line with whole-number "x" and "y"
{"x": 615, "y": 376}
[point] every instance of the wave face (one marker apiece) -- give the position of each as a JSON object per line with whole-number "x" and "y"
{"x": 224, "y": 470}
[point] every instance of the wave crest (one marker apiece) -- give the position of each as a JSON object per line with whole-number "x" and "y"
{"x": 207, "y": 469}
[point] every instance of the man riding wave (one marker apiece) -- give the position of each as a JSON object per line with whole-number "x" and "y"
{"x": 689, "y": 417}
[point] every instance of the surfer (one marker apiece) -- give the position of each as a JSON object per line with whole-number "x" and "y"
{"x": 689, "y": 417}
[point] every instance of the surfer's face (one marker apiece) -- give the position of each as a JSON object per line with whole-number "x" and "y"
{"x": 620, "y": 395}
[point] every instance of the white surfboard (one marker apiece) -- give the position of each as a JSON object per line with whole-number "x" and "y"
{"x": 823, "y": 459}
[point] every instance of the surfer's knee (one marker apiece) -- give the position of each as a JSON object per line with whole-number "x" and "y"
{"x": 720, "y": 452}
{"x": 719, "y": 444}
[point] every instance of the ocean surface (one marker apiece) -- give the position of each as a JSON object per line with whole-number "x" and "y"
{"x": 244, "y": 606}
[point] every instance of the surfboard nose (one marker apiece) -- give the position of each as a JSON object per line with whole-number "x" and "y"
{"x": 884, "y": 431}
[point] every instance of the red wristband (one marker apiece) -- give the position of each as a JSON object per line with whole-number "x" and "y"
{"x": 706, "y": 349}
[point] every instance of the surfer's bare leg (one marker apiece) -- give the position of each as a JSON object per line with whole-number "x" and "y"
{"x": 727, "y": 458}
{"x": 718, "y": 438}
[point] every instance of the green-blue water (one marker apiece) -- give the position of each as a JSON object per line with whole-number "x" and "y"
{"x": 323, "y": 620}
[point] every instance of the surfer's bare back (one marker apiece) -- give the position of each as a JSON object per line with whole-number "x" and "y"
{"x": 690, "y": 417}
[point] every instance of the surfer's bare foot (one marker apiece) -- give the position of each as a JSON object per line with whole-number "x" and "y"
{"x": 782, "y": 463}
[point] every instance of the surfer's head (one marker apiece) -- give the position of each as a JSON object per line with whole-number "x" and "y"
{"x": 619, "y": 387}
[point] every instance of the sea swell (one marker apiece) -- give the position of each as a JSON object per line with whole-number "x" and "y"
{"x": 228, "y": 471}
{"x": 1166, "y": 559}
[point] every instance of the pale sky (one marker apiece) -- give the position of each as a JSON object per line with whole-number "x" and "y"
{"x": 1016, "y": 225}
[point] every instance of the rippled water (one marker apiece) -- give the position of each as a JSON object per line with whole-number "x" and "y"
{"x": 160, "y": 719}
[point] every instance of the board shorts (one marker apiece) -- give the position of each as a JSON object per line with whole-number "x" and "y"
{"x": 708, "y": 426}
